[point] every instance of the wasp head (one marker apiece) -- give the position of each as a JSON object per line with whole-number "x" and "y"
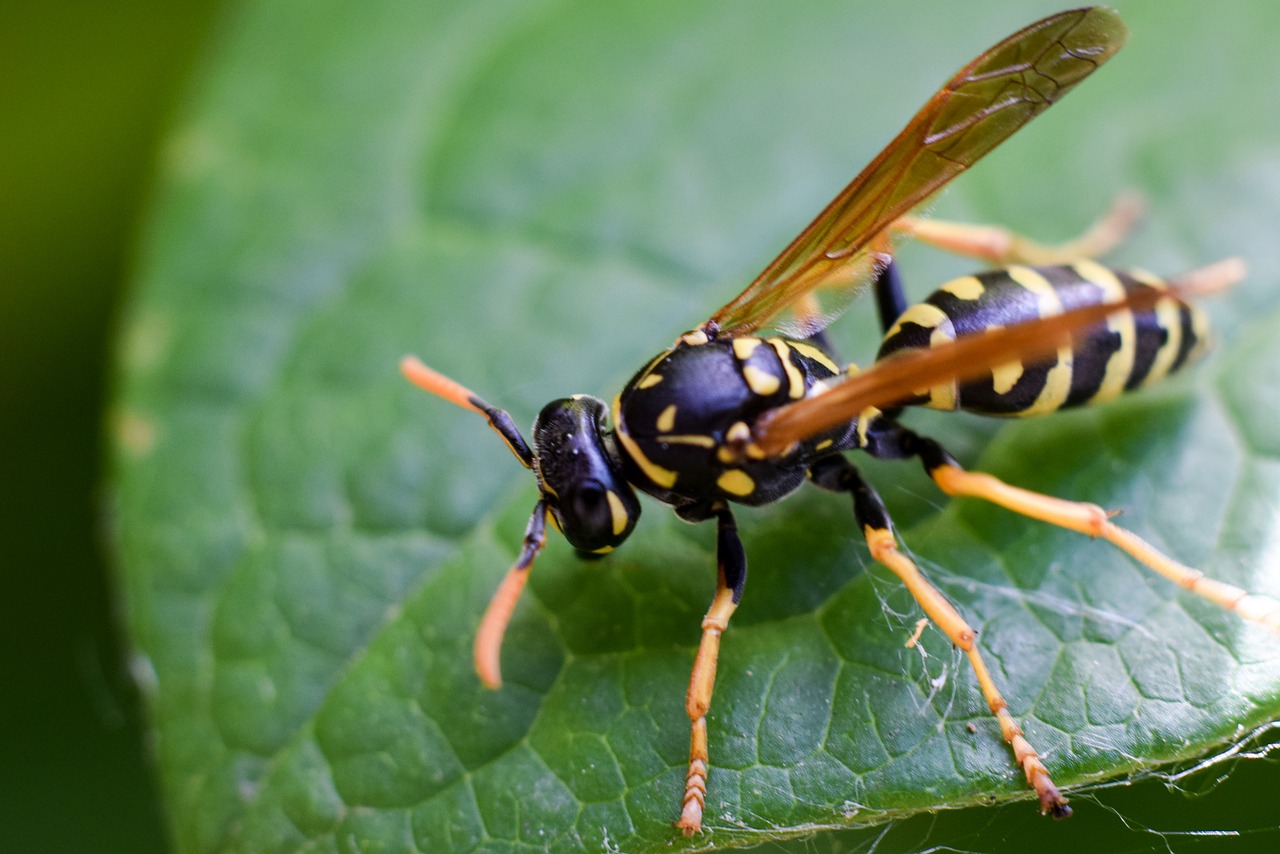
{"x": 581, "y": 479}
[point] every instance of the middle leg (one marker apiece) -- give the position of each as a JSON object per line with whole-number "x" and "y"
{"x": 837, "y": 474}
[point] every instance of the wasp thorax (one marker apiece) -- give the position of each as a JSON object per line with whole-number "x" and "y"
{"x": 590, "y": 501}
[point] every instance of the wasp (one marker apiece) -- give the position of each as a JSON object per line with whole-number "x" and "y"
{"x": 749, "y": 405}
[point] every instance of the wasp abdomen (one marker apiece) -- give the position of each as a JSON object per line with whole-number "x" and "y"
{"x": 1133, "y": 348}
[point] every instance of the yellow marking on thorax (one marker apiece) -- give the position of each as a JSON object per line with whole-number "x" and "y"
{"x": 761, "y": 381}
{"x": 649, "y": 381}
{"x": 693, "y": 338}
{"x": 688, "y": 439}
{"x": 667, "y": 419}
{"x": 664, "y": 478}
{"x": 816, "y": 354}
{"x": 1120, "y": 364}
{"x": 758, "y": 379}
{"x": 744, "y": 347}
{"x": 736, "y": 482}
{"x": 965, "y": 287}
{"x": 795, "y": 381}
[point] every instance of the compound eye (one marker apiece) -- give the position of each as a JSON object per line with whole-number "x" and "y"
{"x": 590, "y": 509}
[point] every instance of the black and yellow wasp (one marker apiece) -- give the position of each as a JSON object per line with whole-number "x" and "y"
{"x": 747, "y": 406}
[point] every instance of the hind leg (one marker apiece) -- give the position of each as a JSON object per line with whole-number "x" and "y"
{"x": 1085, "y": 518}
{"x": 1000, "y": 246}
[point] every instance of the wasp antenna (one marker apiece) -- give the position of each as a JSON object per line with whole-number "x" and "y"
{"x": 438, "y": 384}
{"x": 455, "y": 392}
{"x": 493, "y": 626}
{"x": 1211, "y": 278}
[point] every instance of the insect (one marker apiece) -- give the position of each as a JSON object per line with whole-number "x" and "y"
{"x": 753, "y": 402}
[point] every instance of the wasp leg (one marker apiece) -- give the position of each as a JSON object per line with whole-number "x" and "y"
{"x": 1087, "y": 519}
{"x": 487, "y": 651}
{"x": 891, "y": 301}
{"x": 731, "y": 575}
{"x": 1000, "y": 246}
{"x": 838, "y": 475}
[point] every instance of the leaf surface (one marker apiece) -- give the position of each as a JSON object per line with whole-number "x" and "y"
{"x": 536, "y": 198}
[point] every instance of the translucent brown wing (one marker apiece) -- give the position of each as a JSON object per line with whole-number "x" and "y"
{"x": 825, "y": 267}
{"x": 904, "y": 374}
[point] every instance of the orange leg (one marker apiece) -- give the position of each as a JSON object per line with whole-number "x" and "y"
{"x": 731, "y": 577}
{"x": 837, "y": 474}
{"x": 1000, "y": 246}
{"x": 1093, "y": 520}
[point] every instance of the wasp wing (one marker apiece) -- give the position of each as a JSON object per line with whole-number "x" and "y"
{"x": 905, "y": 374}
{"x": 829, "y": 263}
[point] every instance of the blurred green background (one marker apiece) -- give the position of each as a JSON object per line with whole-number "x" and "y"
{"x": 85, "y": 88}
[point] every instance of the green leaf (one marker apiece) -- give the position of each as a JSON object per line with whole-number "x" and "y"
{"x": 536, "y": 198}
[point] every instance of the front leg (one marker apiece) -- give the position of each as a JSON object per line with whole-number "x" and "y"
{"x": 731, "y": 577}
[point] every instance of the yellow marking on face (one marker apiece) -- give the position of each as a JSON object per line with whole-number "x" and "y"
{"x": 618, "y": 512}
{"x": 736, "y": 482}
{"x": 965, "y": 287}
{"x": 816, "y": 354}
{"x": 603, "y": 550}
{"x": 744, "y": 347}
{"x": 824, "y": 444}
{"x": 667, "y": 419}
{"x": 1120, "y": 364}
{"x": 649, "y": 381}
{"x": 761, "y": 381}
{"x": 555, "y": 521}
{"x": 664, "y": 478}
{"x": 738, "y": 432}
{"x": 795, "y": 381}
{"x": 689, "y": 439}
